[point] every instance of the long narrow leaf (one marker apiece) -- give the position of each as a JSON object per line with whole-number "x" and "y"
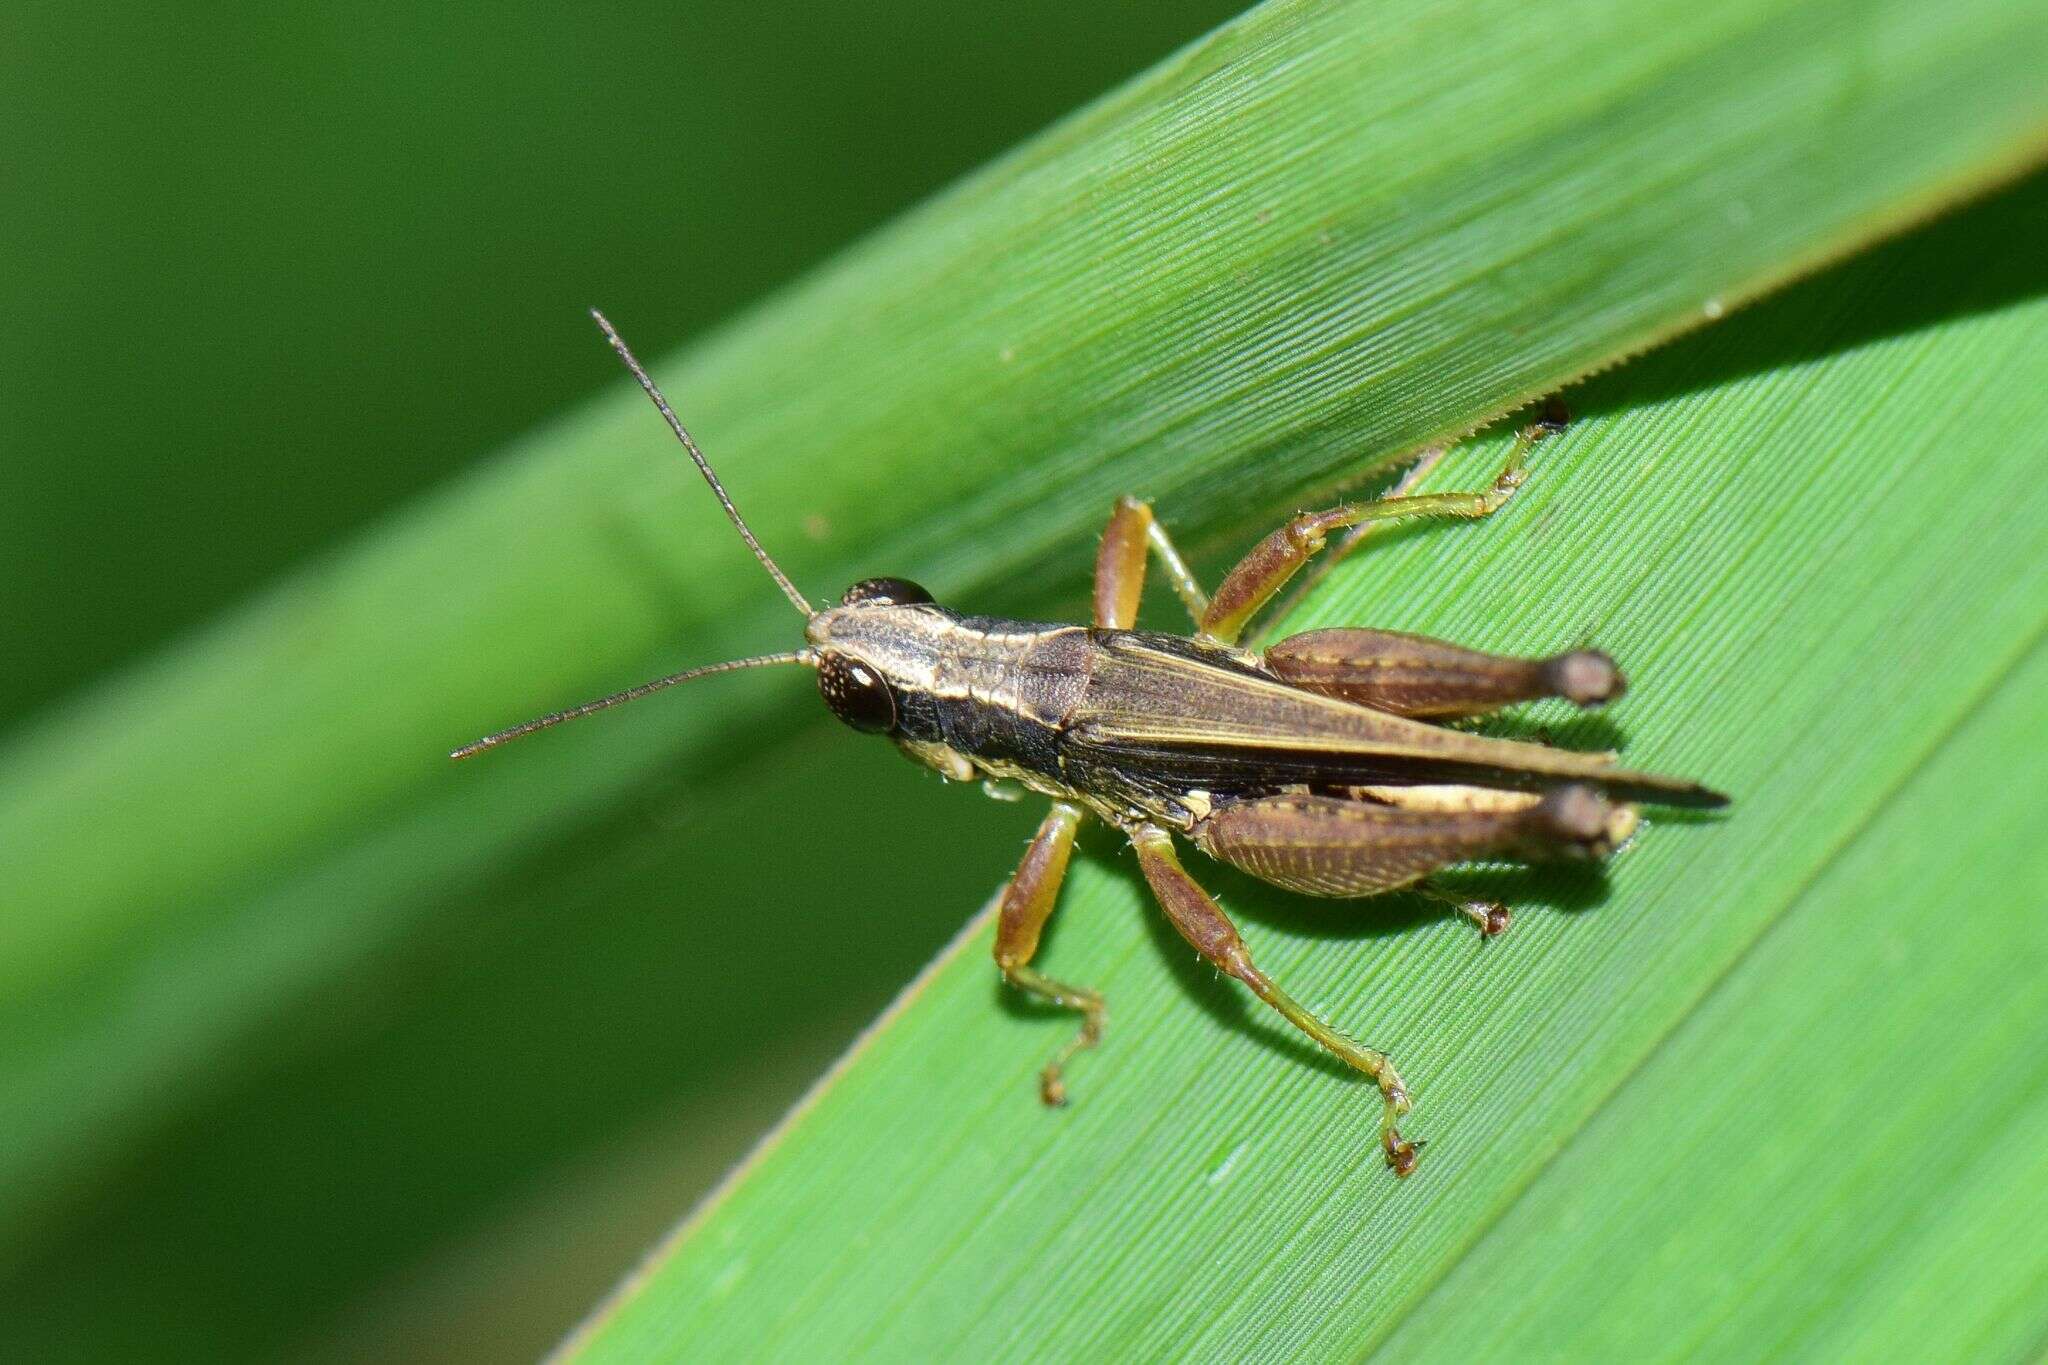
{"x": 1823, "y": 576}
{"x": 1326, "y": 235}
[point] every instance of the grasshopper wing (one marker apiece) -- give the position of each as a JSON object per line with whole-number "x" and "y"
{"x": 1161, "y": 712}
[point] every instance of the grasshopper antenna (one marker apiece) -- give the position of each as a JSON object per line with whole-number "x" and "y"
{"x": 675, "y": 424}
{"x": 801, "y": 656}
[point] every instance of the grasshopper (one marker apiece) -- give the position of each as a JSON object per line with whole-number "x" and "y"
{"x": 1329, "y": 763}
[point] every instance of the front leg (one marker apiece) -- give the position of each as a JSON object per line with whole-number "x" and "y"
{"x": 1202, "y": 922}
{"x": 1028, "y": 902}
{"x": 1120, "y": 566}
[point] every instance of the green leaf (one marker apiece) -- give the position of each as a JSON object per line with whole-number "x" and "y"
{"x": 1325, "y": 236}
{"x": 1843, "y": 1151}
{"x": 1770, "y": 1087}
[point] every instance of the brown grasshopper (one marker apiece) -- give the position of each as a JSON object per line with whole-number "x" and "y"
{"x": 1321, "y": 764}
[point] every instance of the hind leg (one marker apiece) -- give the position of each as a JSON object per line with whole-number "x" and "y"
{"x": 1435, "y": 680}
{"x": 1333, "y": 846}
{"x": 1490, "y": 918}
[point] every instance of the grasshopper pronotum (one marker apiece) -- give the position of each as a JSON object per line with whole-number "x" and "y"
{"x": 1319, "y": 764}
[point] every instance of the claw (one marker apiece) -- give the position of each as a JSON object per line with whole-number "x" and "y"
{"x": 1554, "y": 418}
{"x": 1401, "y": 1153}
{"x": 1052, "y": 1088}
{"x": 1491, "y": 918}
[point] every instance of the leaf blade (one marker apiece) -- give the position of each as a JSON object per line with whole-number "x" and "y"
{"x": 237, "y": 834}
{"x": 1129, "y": 1250}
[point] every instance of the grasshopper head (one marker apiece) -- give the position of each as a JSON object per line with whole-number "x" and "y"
{"x": 878, "y": 647}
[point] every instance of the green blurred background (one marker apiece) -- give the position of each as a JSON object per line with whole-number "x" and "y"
{"x": 268, "y": 273}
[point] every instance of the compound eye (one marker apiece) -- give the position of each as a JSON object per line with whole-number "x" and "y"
{"x": 856, "y": 694}
{"x": 885, "y": 592}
